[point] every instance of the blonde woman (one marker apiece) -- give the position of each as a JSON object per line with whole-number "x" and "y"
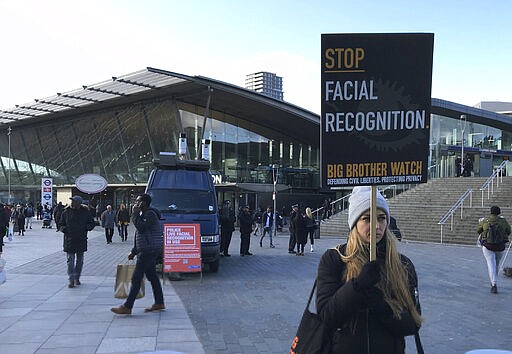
{"x": 310, "y": 228}
{"x": 369, "y": 307}
{"x": 123, "y": 219}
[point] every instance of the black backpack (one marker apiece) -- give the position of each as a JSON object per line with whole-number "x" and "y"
{"x": 494, "y": 234}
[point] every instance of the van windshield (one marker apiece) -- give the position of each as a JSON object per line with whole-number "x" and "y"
{"x": 183, "y": 201}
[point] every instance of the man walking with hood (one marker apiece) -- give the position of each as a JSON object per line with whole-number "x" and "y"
{"x": 75, "y": 222}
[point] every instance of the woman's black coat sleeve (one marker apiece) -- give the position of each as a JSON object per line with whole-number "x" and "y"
{"x": 336, "y": 300}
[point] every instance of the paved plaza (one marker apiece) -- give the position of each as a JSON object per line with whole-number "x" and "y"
{"x": 252, "y": 305}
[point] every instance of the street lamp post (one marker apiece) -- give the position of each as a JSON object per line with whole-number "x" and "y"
{"x": 462, "y": 122}
{"x": 274, "y": 197}
{"x": 9, "y": 175}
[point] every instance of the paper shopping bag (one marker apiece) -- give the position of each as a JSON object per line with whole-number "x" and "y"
{"x": 124, "y": 282}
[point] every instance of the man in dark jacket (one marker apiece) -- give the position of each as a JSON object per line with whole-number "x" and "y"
{"x": 75, "y": 222}
{"x": 4, "y": 224}
{"x": 147, "y": 247}
{"x": 293, "y": 237}
{"x": 268, "y": 220}
{"x": 227, "y": 226}
{"x": 393, "y": 227}
{"x": 245, "y": 219}
{"x": 57, "y": 213}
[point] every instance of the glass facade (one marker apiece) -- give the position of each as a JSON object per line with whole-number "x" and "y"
{"x": 241, "y": 156}
{"x": 484, "y": 145}
{"x": 120, "y": 145}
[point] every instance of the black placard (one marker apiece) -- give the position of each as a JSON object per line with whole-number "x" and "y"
{"x": 376, "y": 98}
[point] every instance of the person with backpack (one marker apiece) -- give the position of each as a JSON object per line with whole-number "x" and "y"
{"x": 494, "y": 231}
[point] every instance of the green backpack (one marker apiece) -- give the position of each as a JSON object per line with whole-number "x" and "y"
{"x": 494, "y": 234}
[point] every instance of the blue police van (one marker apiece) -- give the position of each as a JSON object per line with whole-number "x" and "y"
{"x": 184, "y": 192}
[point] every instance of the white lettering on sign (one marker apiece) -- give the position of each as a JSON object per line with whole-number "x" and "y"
{"x": 374, "y": 121}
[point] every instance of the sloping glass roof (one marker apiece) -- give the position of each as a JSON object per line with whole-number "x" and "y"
{"x": 126, "y": 85}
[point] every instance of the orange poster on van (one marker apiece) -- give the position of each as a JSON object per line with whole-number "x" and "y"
{"x": 182, "y": 248}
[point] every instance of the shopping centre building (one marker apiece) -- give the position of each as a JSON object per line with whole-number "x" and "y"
{"x": 115, "y": 128}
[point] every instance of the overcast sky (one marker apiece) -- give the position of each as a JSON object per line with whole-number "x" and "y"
{"x": 50, "y": 46}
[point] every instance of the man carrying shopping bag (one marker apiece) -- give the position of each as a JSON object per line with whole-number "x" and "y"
{"x": 123, "y": 283}
{"x": 147, "y": 247}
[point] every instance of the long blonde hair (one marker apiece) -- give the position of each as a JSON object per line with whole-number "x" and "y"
{"x": 394, "y": 278}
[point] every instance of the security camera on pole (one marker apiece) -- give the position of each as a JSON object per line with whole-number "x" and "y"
{"x": 462, "y": 122}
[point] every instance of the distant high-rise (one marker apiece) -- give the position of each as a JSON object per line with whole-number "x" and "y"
{"x": 266, "y": 83}
{"x": 496, "y": 106}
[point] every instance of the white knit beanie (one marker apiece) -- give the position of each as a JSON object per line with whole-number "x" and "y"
{"x": 359, "y": 202}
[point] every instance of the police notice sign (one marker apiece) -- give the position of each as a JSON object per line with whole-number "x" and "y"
{"x": 375, "y": 108}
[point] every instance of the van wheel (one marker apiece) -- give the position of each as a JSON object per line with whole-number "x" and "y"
{"x": 214, "y": 266}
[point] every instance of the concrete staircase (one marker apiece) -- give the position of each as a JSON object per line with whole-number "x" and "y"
{"x": 418, "y": 210}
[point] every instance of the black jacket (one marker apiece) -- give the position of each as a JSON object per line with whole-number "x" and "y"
{"x": 245, "y": 220}
{"x": 270, "y": 217}
{"x": 393, "y": 227}
{"x": 75, "y": 223}
{"x": 4, "y": 222}
{"x": 301, "y": 233}
{"x": 339, "y": 302}
{"x": 148, "y": 231}
{"x": 227, "y": 219}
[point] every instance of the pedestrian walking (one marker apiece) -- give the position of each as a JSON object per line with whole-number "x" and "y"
{"x": 301, "y": 233}
{"x": 326, "y": 208}
{"x": 368, "y": 307}
{"x": 123, "y": 220}
{"x": 227, "y": 226}
{"x": 39, "y": 210}
{"x": 267, "y": 221}
{"x": 292, "y": 241}
{"x": 4, "y": 226}
{"x": 493, "y": 233}
{"x": 147, "y": 248}
{"x": 108, "y": 220}
{"x": 75, "y": 222}
{"x": 258, "y": 217}
{"x": 18, "y": 218}
{"x": 57, "y": 214}
{"x": 29, "y": 216}
{"x": 245, "y": 220}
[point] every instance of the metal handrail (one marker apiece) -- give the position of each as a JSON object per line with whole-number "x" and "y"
{"x": 332, "y": 206}
{"x": 498, "y": 175}
{"x": 316, "y": 211}
{"x": 342, "y": 199}
{"x": 454, "y": 207}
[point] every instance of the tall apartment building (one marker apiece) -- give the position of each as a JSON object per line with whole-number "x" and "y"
{"x": 496, "y": 106}
{"x": 266, "y": 83}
